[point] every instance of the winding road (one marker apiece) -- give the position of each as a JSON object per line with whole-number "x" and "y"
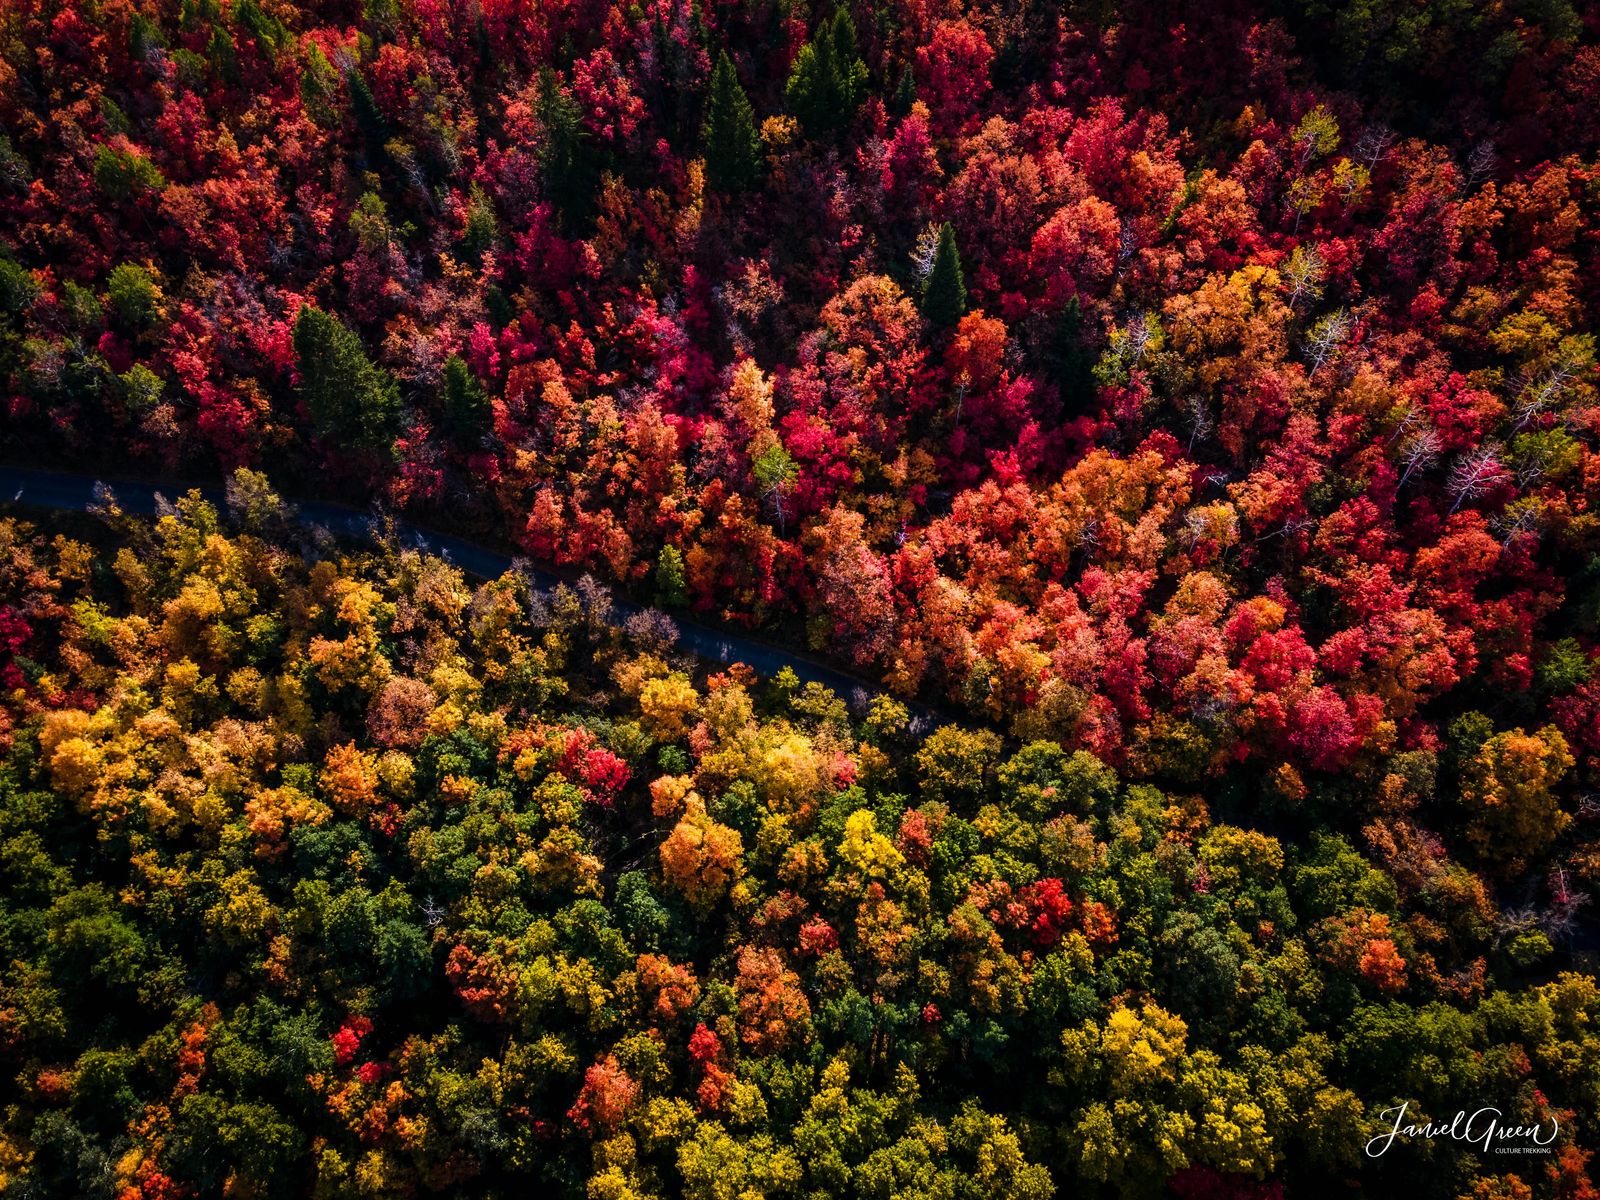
{"x": 75, "y": 492}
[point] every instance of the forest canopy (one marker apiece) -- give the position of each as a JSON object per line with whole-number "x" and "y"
{"x": 1192, "y": 404}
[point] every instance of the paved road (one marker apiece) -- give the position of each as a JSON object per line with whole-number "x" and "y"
{"x": 77, "y": 492}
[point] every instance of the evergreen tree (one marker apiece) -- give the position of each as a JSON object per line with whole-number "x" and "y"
{"x": 847, "y": 59}
{"x": 268, "y": 33}
{"x": 467, "y": 411}
{"x": 350, "y": 399}
{"x": 369, "y": 119}
{"x": 1070, "y": 360}
{"x": 223, "y": 55}
{"x": 905, "y": 93}
{"x": 944, "y": 295}
{"x": 570, "y": 170}
{"x": 829, "y": 79}
{"x": 733, "y": 148}
{"x": 144, "y": 36}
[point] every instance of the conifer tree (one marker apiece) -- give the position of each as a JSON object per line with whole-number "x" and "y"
{"x": 944, "y": 295}
{"x": 1070, "y": 360}
{"x": 905, "y": 93}
{"x": 467, "y": 411}
{"x": 571, "y": 172}
{"x": 369, "y": 118}
{"x": 350, "y": 399}
{"x": 847, "y": 59}
{"x": 733, "y": 148}
{"x": 829, "y": 79}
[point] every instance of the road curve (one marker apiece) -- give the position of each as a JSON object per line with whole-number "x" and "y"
{"x": 75, "y": 492}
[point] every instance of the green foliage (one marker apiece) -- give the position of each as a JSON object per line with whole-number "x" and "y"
{"x": 144, "y": 36}
{"x": 944, "y": 294}
{"x": 483, "y": 229}
{"x": 369, "y": 119}
{"x": 828, "y": 80}
{"x": 1565, "y": 668}
{"x": 18, "y": 288}
{"x": 135, "y": 293}
{"x": 671, "y": 586}
{"x": 350, "y": 400}
{"x": 733, "y": 146}
{"x": 468, "y": 413}
{"x": 125, "y": 174}
{"x": 268, "y": 33}
{"x": 566, "y": 156}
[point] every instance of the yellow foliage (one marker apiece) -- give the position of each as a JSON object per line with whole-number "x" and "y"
{"x": 350, "y": 778}
{"x": 1509, "y": 786}
{"x": 701, "y": 859}
{"x": 1143, "y": 1049}
{"x": 665, "y": 705}
{"x": 867, "y": 850}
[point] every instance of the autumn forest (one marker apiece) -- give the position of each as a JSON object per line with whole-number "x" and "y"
{"x": 1178, "y": 420}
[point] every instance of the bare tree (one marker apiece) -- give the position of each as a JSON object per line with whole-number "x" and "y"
{"x": 1419, "y": 452}
{"x": 1520, "y": 517}
{"x": 1481, "y": 164}
{"x": 1373, "y": 146}
{"x": 1546, "y": 391}
{"x": 1328, "y": 336}
{"x": 1474, "y": 475}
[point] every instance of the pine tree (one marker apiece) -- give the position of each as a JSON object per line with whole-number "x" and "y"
{"x": 467, "y": 411}
{"x": 1071, "y": 361}
{"x": 369, "y": 118}
{"x": 570, "y": 170}
{"x": 905, "y": 93}
{"x": 847, "y": 60}
{"x": 350, "y": 400}
{"x": 733, "y": 148}
{"x": 944, "y": 295}
{"x": 828, "y": 80}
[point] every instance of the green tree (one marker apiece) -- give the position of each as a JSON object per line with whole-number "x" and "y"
{"x": 467, "y": 410}
{"x": 135, "y": 294}
{"x": 733, "y": 147}
{"x": 483, "y": 230}
{"x": 828, "y": 79}
{"x": 349, "y": 399}
{"x": 944, "y": 295}
{"x": 565, "y": 155}
{"x": 671, "y": 587}
{"x": 124, "y": 174}
{"x": 369, "y": 119}
{"x": 1071, "y": 360}
{"x": 775, "y": 471}
{"x": 18, "y": 289}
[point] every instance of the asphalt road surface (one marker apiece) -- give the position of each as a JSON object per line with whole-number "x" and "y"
{"x": 68, "y": 492}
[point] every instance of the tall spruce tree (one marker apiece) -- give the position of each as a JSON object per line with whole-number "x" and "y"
{"x": 571, "y": 170}
{"x": 828, "y": 80}
{"x": 944, "y": 295}
{"x": 847, "y": 59}
{"x": 1070, "y": 360}
{"x": 351, "y": 401}
{"x": 369, "y": 119}
{"x": 733, "y": 147}
{"x": 467, "y": 410}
